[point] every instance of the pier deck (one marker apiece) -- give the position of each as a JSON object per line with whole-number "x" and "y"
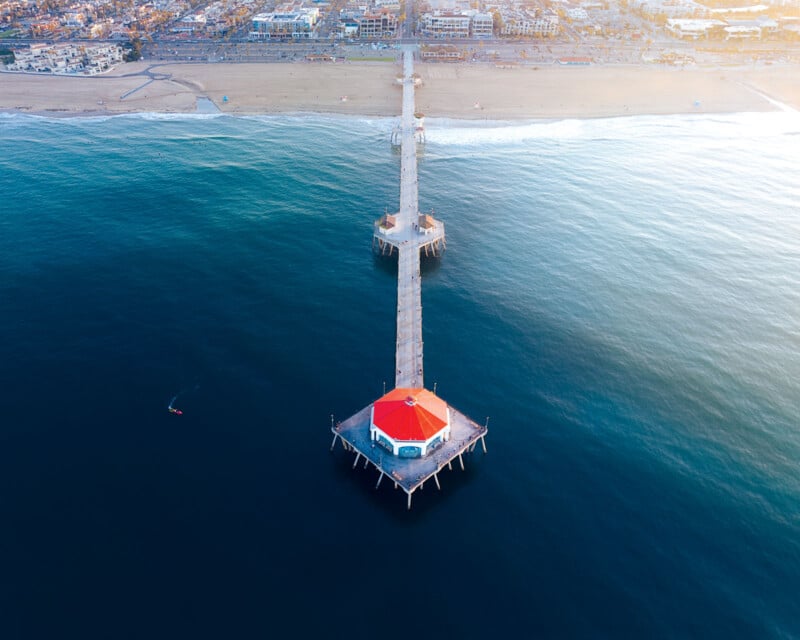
{"x": 408, "y": 355}
{"x": 409, "y": 474}
{"x": 409, "y": 233}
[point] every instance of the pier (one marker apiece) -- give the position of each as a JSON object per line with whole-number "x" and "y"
{"x": 409, "y": 233}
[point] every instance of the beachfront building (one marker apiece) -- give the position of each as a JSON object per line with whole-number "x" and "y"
{"x": 458, "y": 24}
{"x": 753, "y": 29}
{"x": 285, "y": 23}
{"x": 70, "y": 59}
{"x": 380, "y": 24}
{"x": 481, "y": 25}
{"x": 669, "y": 8}
{"x": 528, "y": 24}
{"x": 693, "y": 29}
{"x": 410, "y": 423}
{"x": 348, "y": 29}
{"x": 441, "y": 24}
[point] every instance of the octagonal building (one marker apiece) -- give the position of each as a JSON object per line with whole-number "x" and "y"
{"x": 410, "y": 422}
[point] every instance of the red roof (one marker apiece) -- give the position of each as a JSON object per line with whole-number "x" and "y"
{"x": 410, "y": 414}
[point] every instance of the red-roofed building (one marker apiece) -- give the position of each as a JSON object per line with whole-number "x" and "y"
{"x": 410, "y": 422}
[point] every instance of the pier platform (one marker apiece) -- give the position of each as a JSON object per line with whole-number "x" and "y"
{"x": 426, "y": 234}
{"x": 409, "y": 474}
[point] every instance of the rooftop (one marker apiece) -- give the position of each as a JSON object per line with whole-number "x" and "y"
{"x": 410, "y": 414}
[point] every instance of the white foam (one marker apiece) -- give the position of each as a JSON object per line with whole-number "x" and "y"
{"x": 756, "y": 125}
{"x": 158, "y": 116}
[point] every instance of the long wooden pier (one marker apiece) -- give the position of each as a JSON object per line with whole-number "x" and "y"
{"x": 408, "y": 356}
{"x": 409, "y": 232}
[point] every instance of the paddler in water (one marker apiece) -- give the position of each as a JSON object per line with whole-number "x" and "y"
{"x": 172, "y": 409}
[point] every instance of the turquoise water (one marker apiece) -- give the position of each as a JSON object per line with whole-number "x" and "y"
{"x": 621, "y": 296}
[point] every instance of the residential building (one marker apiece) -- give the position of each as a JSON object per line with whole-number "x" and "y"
{"x": 286, "y": 22}
{"x": 381, "y": 24}
{"x": 457, "y": 24}
{"x": 530, "y": 24}
{"x": 446, "y": 25}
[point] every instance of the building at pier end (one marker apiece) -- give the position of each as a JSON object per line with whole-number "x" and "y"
{"x": 410, "y": 423}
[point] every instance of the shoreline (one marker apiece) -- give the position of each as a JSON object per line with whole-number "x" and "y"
{"x": 431, "y": 121}
{"x": 461, "y": 91}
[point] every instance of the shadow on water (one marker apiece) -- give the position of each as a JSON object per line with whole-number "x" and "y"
{"x": 391, "y": 501}
{"x": 385, "y": 263}
{"x": 428, "y": 265}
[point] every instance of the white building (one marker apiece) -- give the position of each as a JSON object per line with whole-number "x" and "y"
{"x": 754, "y": 29}
{"x": 446, "y": 24}
{"x": 190, "y": 24}
{"x": 458, "y": 24}
{"x": 284, "y": 23}
{"x": 482, "y": 25}
{"x": 524, "y": 24}
{"x": 694, "y": 29}
{"x": 68, "y": 59}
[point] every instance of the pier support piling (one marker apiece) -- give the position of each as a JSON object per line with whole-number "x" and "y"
{"x": 358, "y": 455}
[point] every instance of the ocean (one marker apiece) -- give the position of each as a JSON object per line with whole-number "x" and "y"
{"x": 620, "y": 297}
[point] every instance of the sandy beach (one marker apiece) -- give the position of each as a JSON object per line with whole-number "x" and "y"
{"x": 467, "y": 91}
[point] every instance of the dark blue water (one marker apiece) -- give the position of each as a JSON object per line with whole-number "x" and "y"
{"x": 620, "y": 296}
